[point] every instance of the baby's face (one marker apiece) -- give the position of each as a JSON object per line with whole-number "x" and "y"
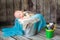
{"x": 18, "y": 14}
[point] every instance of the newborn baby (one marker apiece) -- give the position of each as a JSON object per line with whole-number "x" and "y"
{"x": 23, "y": 17}
{"x": 20, "y": 15}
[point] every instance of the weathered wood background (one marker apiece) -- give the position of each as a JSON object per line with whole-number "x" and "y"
{"x": 49, "y": 8}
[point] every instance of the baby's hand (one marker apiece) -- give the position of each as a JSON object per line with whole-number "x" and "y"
{"x": 26, "y": 17}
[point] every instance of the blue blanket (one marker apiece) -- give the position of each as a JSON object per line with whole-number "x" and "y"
{"x": 18, "y": 30}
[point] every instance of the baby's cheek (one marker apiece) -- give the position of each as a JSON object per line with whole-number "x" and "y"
{"x": 16, "y": 15}
{"x": 21, "y": 15}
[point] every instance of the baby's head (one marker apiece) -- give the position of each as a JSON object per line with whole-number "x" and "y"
{"x": 18, "y": 14}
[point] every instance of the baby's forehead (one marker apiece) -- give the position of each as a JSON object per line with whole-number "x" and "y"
{"x": 18, "y": 12}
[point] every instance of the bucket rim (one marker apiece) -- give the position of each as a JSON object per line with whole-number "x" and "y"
{"x": 49, "y": 30}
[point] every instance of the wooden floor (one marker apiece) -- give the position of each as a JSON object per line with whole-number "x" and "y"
{"x": 40, "y": 36}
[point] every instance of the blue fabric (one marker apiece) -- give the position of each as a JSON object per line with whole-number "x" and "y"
{"x": 41, "y": 23}
{"x": 15, "y": 30}
{"x": 18, "y": 30}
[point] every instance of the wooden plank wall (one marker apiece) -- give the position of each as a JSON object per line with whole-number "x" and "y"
{"x": 47, "y": 7}
{"x": 2, "y": 10}
{"x": 58, "y": 12}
